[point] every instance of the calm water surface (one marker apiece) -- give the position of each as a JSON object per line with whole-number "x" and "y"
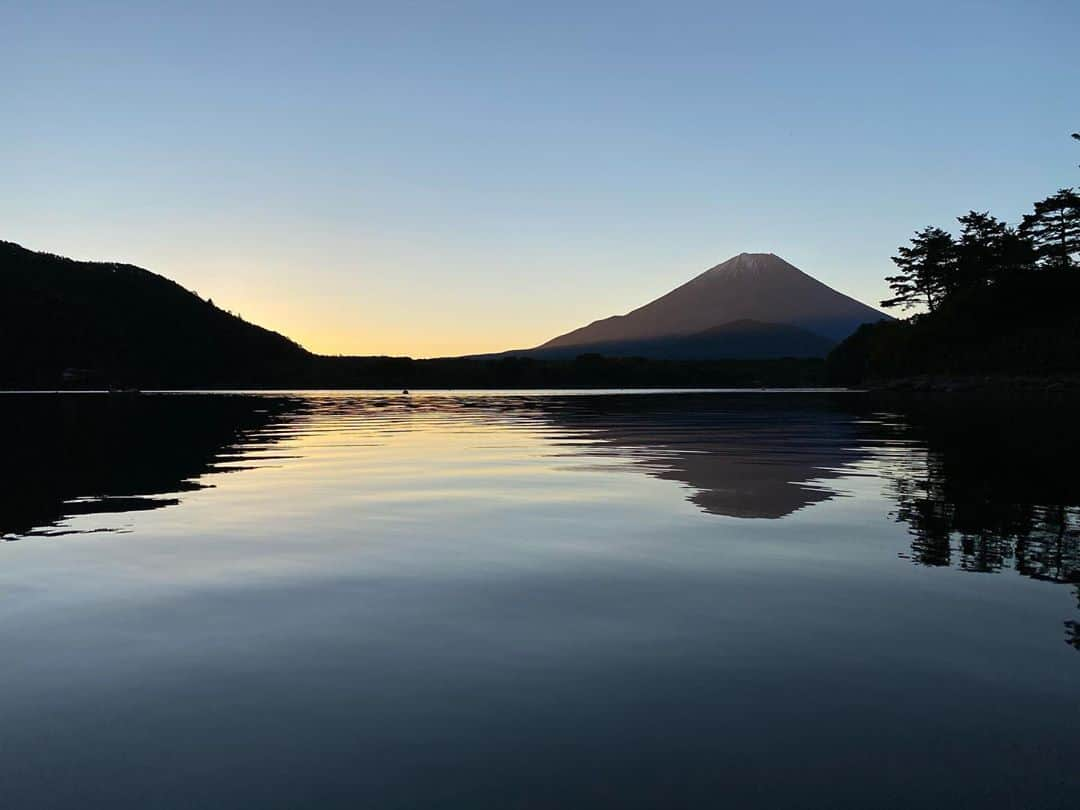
{"x": 663, "y": 600}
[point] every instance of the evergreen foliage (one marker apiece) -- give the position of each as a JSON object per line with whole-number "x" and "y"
{"x": 1054, "y": 230}
{"x": 926, "y": 269}
{"x": 993, "y": 299}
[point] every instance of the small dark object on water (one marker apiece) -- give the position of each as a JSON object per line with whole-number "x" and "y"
{"x": 404, "y": 390}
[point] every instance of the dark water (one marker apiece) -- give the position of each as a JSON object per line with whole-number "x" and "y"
{"x": 683, "y": 600}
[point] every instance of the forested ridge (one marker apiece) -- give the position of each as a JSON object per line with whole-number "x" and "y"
{"x": 73, "y": 324}
{"x": 990, "y": 298}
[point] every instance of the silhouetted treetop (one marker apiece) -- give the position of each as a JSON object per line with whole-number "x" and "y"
{"x": 925, "y": 270}
{"x": 988, "y": 250}
{"x": 1054, "y": 230}
{"x": 997, "y": 299}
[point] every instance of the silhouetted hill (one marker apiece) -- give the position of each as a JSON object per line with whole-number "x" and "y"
{"x": 1026, "y": 324}
{"x": 751, "y": 286}
{"x": 738, "y": 339}
{"x": 117, "y": 324}
{"x": 71, "y": 324}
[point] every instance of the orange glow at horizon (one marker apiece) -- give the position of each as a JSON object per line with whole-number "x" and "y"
{"x": 417, "y": 338}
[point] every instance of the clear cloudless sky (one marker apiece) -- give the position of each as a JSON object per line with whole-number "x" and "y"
{"x": 433, "y": 178}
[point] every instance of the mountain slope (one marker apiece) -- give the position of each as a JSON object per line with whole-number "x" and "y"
{"x": 751, "y": 286}
{"x": 738, "y": 339}
{"x": 117, "y": 323}
{"x": 72, "y": 324}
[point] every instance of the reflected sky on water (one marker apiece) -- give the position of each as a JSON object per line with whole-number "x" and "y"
{"x": 757, "y": 599}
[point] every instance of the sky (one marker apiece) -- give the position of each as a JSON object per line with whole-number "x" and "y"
{"x": 427, "y": 179}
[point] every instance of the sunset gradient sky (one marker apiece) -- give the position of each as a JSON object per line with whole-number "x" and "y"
{"x": 442, "y": 178}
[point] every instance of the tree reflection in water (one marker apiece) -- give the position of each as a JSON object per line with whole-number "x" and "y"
{"x": 982, "y": 487}
{"x": 989, "y": 487}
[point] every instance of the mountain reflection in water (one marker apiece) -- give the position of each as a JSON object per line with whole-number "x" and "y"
{"x": 980, "y": 488}
{"x": 743, "y": 456}
{"x": 748, "y": 455}
{"x": 505, "y": 600}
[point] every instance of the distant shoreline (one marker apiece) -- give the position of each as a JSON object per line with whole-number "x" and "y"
{"x": 933, "y": 384}
{"x": 567, "y": 391}
{"x": 977, "y": 383}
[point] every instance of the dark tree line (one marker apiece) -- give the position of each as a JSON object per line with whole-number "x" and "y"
{"x": 992, "y": 298}
{"x": 987, "y": 251}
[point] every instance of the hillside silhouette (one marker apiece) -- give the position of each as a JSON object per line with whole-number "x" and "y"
{"x": 66, "y": 321}
{"x": 76, "y": 324}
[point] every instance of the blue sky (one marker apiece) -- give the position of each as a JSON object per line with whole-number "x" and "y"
{"x": 440, "y": 178}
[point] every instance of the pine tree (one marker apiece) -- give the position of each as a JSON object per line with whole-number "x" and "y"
{"x": 989, "y": 250}
{"x": 925, "y": 270}
{"x": 1054, "y": 229}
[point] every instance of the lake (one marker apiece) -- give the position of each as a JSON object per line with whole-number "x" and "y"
{"x": 367, "y": 599}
